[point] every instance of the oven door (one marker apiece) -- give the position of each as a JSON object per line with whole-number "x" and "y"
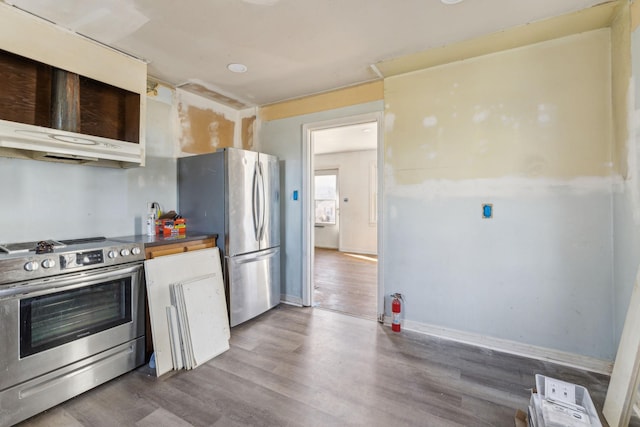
{"x": 52, "y": 323}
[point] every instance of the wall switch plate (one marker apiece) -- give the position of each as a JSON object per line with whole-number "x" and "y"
{"x": 487, "y": 210}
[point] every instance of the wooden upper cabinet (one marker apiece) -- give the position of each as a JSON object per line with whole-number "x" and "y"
{"x": 109, "y": 111}
{"x": 28, "y": 95}
{"x": 25, "y": 94}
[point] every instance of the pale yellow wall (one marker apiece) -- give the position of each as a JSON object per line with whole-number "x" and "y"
{"x": 353, "y": 95}
{"x": 620, "y": 80}
{"x": 539, "y": 111}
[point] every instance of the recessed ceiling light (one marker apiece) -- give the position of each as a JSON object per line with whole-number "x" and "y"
{"x": 237, "y": 68}
{"x": 451, "y": 1}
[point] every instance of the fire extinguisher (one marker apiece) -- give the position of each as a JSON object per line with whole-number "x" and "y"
{"x": 396, "y": 308}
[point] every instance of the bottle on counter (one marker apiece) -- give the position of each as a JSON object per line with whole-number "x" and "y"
{"x": 151, "y": 225}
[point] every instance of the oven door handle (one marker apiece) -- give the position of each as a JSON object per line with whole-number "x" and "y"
{"x": 68, "y": 281}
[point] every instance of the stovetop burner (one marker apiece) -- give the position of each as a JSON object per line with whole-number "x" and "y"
{"x": 85, "y": 240}
{"x": 16, "y": 248}
{"x": 23, "y": 247}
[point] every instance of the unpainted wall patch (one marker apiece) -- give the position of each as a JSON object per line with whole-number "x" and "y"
{"x": 248, "y": 124}
{"x": 203, "y": 130}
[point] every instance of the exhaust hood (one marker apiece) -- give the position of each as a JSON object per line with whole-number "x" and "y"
{"x": 26, "y": 141}
{"x": 67, "y": 98}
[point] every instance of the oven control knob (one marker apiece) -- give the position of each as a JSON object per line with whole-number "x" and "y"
{"x": 48, "y": 263}
{"x": 112, "y": 254}
{"x": 31, "y": 266}
{"x": 124, "y": 252}
{"x": 135, "y": 250}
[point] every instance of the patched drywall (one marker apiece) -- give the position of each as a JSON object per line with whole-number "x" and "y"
{"x": 204, "y": 126}
{"x": 204, "y": 131}
{"x": 247, "y": 132}
{"x": 621, "y": 74}
{"x": 537, "y": 111}
{"x": 529, "y": 131}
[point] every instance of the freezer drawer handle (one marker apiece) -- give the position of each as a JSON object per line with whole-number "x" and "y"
{"x": 248, "y": 259}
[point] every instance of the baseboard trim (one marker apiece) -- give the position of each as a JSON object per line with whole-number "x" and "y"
{"x": 291, "y": 300}
{"x": 573, "y": 360}
{"x": 358, "y": 251}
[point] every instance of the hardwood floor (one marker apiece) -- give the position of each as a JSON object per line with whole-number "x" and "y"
{"x": 346, "y": 282}
{"x": 309, "y": 367}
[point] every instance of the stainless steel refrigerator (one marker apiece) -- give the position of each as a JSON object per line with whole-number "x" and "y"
{"x": 236, "y": 194}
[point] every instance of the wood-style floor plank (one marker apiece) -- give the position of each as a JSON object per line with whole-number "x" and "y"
{"x": 309, "y": 367}
{"x": 346, "y": 282}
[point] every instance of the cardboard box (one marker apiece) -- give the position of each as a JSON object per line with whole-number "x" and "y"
{"x": 521, "y": 419}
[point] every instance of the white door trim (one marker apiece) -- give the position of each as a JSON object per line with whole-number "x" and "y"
{"x": 308, "y": 220}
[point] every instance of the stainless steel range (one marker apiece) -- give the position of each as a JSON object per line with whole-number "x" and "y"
{"x": 71, "y": 318}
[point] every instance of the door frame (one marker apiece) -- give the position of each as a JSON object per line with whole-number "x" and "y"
{"x": 308, "y": 216}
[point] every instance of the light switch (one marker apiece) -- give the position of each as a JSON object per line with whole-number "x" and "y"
{"x": 487, "y": 211}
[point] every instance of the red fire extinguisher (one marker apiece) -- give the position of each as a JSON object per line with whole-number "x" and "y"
{"x": 396, "y": 308}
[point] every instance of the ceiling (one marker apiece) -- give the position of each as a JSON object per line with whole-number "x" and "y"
{"x": 358, "y": 137}
{"x": 292, "y": 48}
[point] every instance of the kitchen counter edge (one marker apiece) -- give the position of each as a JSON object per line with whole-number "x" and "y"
{"x": 150, "y": 241}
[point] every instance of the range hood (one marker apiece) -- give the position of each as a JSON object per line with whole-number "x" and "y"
{"x": 67, "y": 98}
{"x": 26, "y": 141}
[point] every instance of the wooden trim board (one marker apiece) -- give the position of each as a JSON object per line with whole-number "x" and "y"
{"x": 625, "y": 376}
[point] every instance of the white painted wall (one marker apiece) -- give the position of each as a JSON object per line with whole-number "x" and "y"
{"x": 357, "y": 233}
{"x": 51, "y": 200}
{"x": 283, "y": 138}
{"x": 328, "y": 235}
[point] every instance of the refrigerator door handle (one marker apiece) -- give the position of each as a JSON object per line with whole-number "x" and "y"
{"x": 255, "y": 202}
{"x": 263, "y": 202}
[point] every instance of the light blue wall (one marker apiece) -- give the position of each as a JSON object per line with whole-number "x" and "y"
{"x": 42, "y": 200}
{"x": 283, "y": 138}
{"x": 538, "y": 273}
{"x": 627, "y": 211}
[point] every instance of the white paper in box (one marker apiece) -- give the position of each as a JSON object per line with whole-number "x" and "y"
{"x": 565, "y": 405}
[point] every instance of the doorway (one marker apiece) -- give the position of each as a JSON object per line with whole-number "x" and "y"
{"x": 342, "y": 243}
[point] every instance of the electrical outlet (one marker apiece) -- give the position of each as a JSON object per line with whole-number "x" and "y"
{"x": 559, "y": 390}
